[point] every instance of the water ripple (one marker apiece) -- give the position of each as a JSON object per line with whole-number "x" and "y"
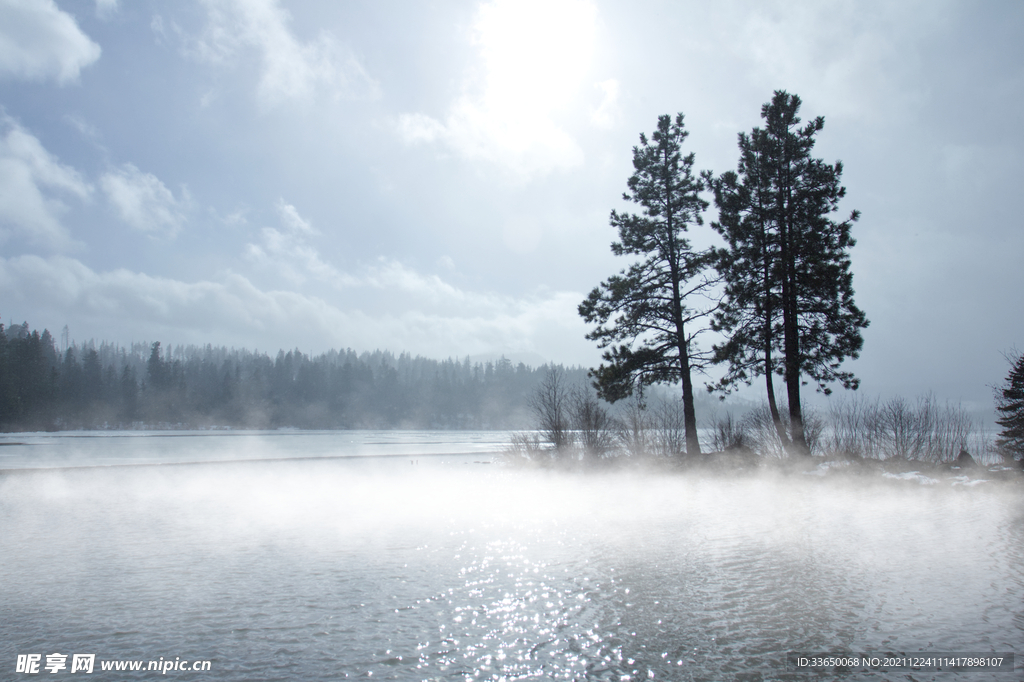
{"x": 325, "y": 573}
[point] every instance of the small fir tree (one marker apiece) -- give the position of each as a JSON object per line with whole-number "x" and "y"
{"x": 1010, "y": 404}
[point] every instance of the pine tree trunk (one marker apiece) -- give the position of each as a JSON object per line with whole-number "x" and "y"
{"x": 689, "y": 413}
{"x": 796, "y": 421}
{"x": 790, "y": 323}
{"x": 792, "y": 346}
{"x": 773, "y": 406}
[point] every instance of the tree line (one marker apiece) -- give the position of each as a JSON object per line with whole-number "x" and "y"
{"x": 144, "y": 385}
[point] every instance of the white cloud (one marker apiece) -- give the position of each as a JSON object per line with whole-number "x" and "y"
{"x": 81, "y": 125}
{"x": 607, "y": 112}
{"x": 106, "y": 8}
{"x": 39, "y": 41}
{"x": 535, "y": 56}
{"x": 287, "y": 252}
{"x": 292, "y": 220}
{"x": 415, "y": 128}
{"x": 291, "y": 69}
{"x": 851, "y": 57}
{"x": 143, "y": 201}
{"x": 121, "y": 305}
{"x": 426, "y": 314}
{"x": 156, "y": 25}
{"x": 140, "y": 305}
{"x": 31, "y": 181}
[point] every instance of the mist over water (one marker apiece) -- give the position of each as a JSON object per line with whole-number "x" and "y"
{"x": 441, "y": 568}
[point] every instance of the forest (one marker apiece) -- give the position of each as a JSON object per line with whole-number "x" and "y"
{"x": 105, "y": 385}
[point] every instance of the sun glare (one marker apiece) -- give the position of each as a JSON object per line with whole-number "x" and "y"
{"x": 534, "y": 66}
{"x": 536, "y": 52}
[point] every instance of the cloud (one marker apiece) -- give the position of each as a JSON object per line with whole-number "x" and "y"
{"x": 140, "y": 304}
{"x": 607, "y": 112}
{"x": 39, "y": 41}
{"x": 31, "y": 182}
{"x": 851, "y": 57}
{"x": 416, "y": 128}
{"x": 87, "y": 129}
{"x": 143, "y": 201}
{"x": 426, "y": 313}
{"x": 106, "y": 8}
{"x": 292, "y": 220}
{"x": 535, "y": 55}
{"x": 121, "y": 305}
{"x": 287, "y": 252}
{"x": 291, "y": 69}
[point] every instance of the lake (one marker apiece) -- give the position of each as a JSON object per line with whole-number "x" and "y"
{"x": 410, "y": 556}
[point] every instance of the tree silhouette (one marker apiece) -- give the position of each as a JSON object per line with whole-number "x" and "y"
{"x": 655, "y": 305}
{"x": 1010, "y": 404}
{"x": 788, "y": 306}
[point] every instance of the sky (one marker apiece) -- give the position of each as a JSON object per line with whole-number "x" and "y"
{"x": 436, "y": 177}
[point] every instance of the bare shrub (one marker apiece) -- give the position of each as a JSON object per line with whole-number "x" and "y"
{"x": 635, "y": 428}
{"x": 526, "y": 446}
{"x": 815, "y": 426}
{"x": 763, "y": 438}
{"x": 903, "y": 429}
{"x": 924, "y": 430}
{"x": 950, "y": 431}
{"x": 921, "y": 431}
{"x": 550, "y": 405}
{"x": 669, "y": 429}
{"x": 728, "y": 434}
{"x": 761, "y": 433}
{"x": 591, "y": 422}
{"x": 850, "y": 429}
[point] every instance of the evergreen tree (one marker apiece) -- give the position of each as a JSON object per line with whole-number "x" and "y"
{"x": 8, "y": 401}
{"x": 157, "y": 370}
{"x": 129, "y": 397}
{"x": 71, "y": 384}
{"x": 1010, "y": 404}
{"x": 789, "y": 289}
{"x": 651, "y": 305}
{"x": 92, "y": 379}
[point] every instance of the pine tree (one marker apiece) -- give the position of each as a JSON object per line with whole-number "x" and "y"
{"x": 655, "y": 305}
{"x": 788, "y": 305}
{"x": 157, "y": 369}
{"x": 1010, "y": 404}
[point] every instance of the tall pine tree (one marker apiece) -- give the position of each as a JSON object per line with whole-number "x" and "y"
{"x": 788, "y": 305}
{"x": 655, "y": 305}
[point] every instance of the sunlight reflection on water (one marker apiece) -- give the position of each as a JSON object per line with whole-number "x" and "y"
{"x": 326, "y": 570}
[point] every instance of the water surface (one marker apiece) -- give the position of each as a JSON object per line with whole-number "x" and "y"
{"x": 431, "y": 568}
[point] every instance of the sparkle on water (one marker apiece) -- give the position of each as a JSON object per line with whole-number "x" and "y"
{"x": 440, "y": 567}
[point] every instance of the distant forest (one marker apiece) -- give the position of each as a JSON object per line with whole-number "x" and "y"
{"x": 88, "y": 386}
